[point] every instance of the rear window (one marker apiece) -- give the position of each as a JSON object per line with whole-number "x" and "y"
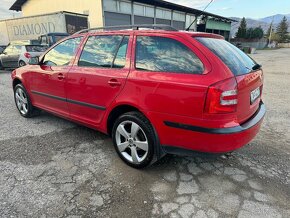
{"x": 236, "y": 60}
{"x": 35, "y": 48}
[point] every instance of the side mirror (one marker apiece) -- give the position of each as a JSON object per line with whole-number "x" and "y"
{"x": 33, "y": 61}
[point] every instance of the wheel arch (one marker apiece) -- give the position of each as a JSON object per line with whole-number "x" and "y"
{"x": 124, "y": 108}
{"x": 116, "y": 112}
{"x": 16, "y": 81}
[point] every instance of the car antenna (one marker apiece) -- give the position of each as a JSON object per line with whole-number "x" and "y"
{"x": 187, "y": 29}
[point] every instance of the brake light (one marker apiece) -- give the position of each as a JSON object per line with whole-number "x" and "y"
{"x": 222, "y": 97}
{"x": 27, "y": 55}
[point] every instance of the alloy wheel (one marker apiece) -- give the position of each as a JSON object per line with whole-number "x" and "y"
{"x": 132, "y": 142}
{"x": 21, "y": 101}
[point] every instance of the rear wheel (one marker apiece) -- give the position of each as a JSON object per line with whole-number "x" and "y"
{"x": 23, "y": 102}
{"x": 134, "y": 139}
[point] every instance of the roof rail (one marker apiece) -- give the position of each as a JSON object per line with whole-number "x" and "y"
{"x": 133, "y": 27}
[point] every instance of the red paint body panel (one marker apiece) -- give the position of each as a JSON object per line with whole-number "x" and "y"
{"x": 161, "y": 96}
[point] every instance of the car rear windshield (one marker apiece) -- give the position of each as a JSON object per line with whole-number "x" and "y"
{"x": 35, "y": 48}
{"x": 236, "y": 60}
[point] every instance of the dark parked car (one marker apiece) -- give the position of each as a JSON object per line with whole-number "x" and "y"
{"x": 153, "y": 91}
{"x": 2, "y": 48}
{"x": 50, "y": 39}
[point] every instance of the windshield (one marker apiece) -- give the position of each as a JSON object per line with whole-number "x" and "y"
{"x": 236, "y": 60}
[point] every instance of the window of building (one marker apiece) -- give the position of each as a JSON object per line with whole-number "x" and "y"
{"x": 178, "y": 16}
{"x": 143, "y": 10}
{"x": 62, "y": 54}
{"x": 117, "y": 6}
{"x": 104, "y": 51}
{"x": 165, "y": 55}
{"x": 163, "y": 14}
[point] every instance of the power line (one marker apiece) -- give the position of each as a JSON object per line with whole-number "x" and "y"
{"x": 187, "y": 29}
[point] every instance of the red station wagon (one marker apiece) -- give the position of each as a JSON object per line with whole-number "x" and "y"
{"x": 155, "y": 91}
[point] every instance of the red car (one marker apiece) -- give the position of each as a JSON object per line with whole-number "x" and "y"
{"x": 153, "y": 91}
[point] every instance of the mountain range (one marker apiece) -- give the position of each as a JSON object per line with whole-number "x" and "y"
{"x": 263, "y": 22}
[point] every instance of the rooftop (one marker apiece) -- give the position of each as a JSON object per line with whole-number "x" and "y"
{"x": 159, "y": 3}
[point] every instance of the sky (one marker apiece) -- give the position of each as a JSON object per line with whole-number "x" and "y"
{"x": 227, "y": 8}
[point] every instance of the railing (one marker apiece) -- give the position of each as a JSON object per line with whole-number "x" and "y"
{"x": 133, "y": 27}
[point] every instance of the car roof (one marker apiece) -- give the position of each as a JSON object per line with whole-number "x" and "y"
{"x": 146, "y": 31}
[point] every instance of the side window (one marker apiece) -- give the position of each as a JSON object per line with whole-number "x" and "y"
{"x": 62, "y": 54}
{"x": 165, "y": 54}
{"x": 120, "y": 59}
{"x": 43, "y": 40}
{"x": 17, "y": 49}
{"x": 9, "y": 49}
{"x": 104, "y": 51}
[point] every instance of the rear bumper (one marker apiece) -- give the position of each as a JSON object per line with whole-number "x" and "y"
{"x": 254, "y": 120}
{"x": 213, "y": 140}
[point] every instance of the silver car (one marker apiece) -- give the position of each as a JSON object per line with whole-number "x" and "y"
{"x": 9, "y": 57}
{"x": 29, "y": 51}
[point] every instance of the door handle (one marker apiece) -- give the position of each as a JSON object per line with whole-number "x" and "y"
{"x": 114, "y": 82}
{"x": 60, "y": 76}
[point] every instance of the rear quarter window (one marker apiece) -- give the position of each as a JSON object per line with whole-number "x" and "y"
{"x": 235, "y": 59}
{"x": 162, "y": 54}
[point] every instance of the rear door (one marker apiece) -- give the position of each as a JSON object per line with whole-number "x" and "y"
{"x": 14, "y": 56}
{"x": 247, "y": 72}
{"x": 167, "y": 75}
{"x": 98, "y": 76}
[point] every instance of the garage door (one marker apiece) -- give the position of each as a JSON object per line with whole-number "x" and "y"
{"x": 115, "y": 19}
{"x": 178, "y": 25}
{"x": 143, "y": 20}
{"x": 163, "y": 21}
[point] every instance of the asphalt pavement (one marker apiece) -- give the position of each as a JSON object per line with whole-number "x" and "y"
{"x": 51, "y": 167}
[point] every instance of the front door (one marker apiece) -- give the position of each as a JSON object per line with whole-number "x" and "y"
{"x": 97, "y": 77}
{"x": 48, "y": 79}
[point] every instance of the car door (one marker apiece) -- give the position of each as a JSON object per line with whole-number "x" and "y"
{"x": 14, "y": 56}
{"x": 49, "y": 77}
{"x": 97, "y": 76}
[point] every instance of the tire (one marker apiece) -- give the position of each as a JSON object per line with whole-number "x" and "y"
{"x": 23, "y": 102}
{"x": 21, "y": 63}
{"x": 1, "y": 66}
{"x": 135, "y": 148}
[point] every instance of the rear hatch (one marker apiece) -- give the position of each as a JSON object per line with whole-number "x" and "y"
{"x": 246, "y": 71}
{"x": 35, "y": 50}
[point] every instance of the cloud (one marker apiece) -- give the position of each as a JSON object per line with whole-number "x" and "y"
{"x": 4, "y": 10}
{"x": 198, "y": 4}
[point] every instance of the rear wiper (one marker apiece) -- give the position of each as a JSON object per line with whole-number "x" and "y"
{"x": 256, "y": 67}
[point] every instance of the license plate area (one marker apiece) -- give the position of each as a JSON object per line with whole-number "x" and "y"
{"x": 255, "y": 94}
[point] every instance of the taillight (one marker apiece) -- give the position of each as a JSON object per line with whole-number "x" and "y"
{"x": 27, "y": 55}
{"x": 222, "y": 97}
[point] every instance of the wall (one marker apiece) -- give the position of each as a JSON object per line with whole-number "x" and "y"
{"x": 258, "y": 44}
{"x": 284, "y": 45}
{"x": 91, "y": 7}
{"x": 218, "y": 25}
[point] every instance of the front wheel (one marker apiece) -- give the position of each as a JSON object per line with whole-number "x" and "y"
{"x": 21, "y": 63}
{"x": 134, "y": 139}
{"x": 23, "y": 102}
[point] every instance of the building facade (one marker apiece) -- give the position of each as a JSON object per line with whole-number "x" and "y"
{"x": 124, "y": 12}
